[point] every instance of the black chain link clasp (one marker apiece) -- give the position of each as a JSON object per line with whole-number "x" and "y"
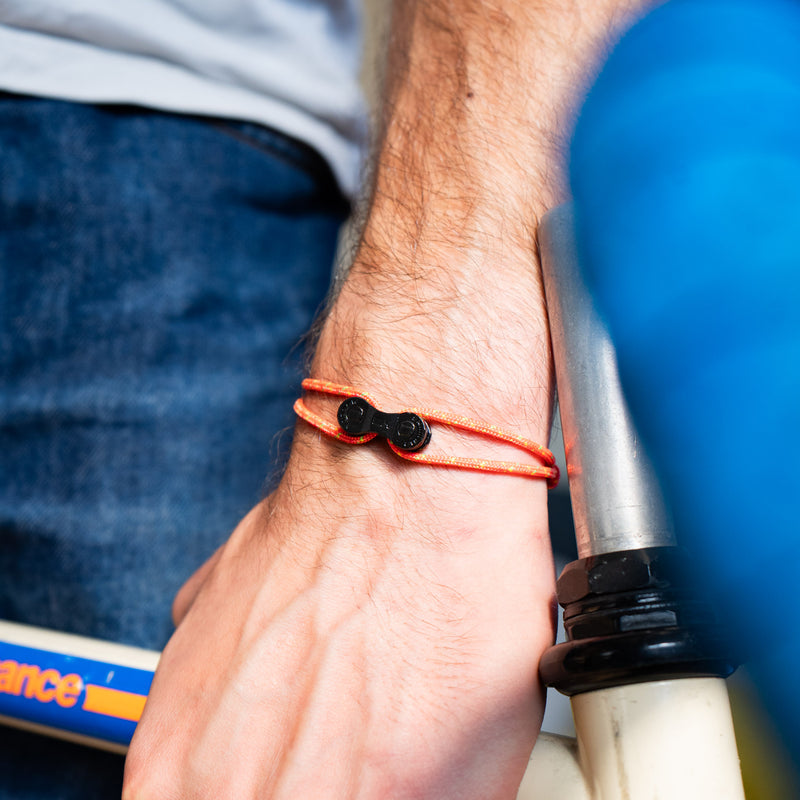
{"x": 406, "y": 430}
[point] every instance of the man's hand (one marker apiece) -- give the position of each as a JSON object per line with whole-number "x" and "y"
{"x": 375, "y": 647}
{"x": 373, "y": 629}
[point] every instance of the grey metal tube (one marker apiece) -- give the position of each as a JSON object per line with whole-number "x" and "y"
{"x": 617, "y": 502}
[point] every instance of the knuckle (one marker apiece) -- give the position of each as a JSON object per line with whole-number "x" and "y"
{"x": 148, "y": 778}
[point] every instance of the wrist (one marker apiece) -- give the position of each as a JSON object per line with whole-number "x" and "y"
{"x": 444, "y": 347}
{"x": 370, "y": 482}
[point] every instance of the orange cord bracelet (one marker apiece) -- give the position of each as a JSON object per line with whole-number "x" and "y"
{"x": 549, "y": 470}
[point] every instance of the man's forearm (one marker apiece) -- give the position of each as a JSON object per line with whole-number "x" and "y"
{"x": 443, "y": 297}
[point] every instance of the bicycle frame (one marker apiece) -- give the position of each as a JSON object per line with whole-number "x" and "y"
{"x": 671, "y": 739}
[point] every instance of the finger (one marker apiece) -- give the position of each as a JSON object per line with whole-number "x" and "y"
{"x": 188, "y": 592}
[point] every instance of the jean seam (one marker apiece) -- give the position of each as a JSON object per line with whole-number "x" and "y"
{"x": 290, "y": 151}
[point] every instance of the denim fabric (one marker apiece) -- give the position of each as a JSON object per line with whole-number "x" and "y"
{"x": 156, "y": 275}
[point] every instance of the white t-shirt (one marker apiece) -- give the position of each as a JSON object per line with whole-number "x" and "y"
{"x": 289, "y": 64}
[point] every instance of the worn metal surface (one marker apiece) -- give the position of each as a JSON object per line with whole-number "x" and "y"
{"x": 617, "y": 502}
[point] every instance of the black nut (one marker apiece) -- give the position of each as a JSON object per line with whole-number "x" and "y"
{"x": 623, "y": 571}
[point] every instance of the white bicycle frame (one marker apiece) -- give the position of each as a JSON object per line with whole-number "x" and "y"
{"x": 665, "y": 739}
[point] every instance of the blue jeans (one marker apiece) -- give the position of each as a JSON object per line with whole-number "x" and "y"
{"x": 157, "y": 274}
